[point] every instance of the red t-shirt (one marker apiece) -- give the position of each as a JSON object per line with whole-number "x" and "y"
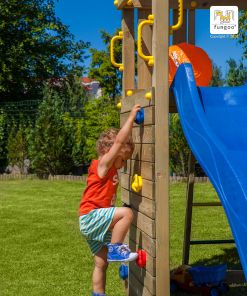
{"x": 99, "y": 192}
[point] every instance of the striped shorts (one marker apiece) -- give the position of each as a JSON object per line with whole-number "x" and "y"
{"x": 94, "y": 227}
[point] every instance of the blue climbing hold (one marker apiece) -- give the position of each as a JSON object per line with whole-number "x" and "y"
{"x": 123, "y": 272}
{"x": 140, "y": 116}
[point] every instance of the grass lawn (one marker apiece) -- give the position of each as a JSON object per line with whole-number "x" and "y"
{"x": 43, "y": 253}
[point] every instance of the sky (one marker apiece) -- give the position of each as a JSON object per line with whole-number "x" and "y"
{"x": 87, "y": 18}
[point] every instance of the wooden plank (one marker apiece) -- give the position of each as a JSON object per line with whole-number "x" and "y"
{"x": 189, "y": 203}
{"x": 144, "y": 152}
{"x": 136, "y": 288}
{"x": 143, "y": 241}
{"x": 145, "y": 4}
{"x": 191, "y": 26}
{"x": 180, "y": 35}
{"x": 137, "y": 98}
{"x": 147, "y": 186}
{"x": 160, "y": 83}
{"x": 144, "y": 72}
{"x": 142, "y": 168}
{"x": 143, "y": 276}
{"x": 205, "y": 4}
{"x": 143, "y": 134}
{"x": 148, "y": 117}
{"x": 151, "y": 261}
{"x": 139, "y": 203}
{"x": 144, "y": 223}
{"x": 122, "y": 4}
{"x": 128, "y": 50}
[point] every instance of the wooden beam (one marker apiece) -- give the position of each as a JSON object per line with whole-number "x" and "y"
{"x": 121, "y": 4}
{"x": 147, "y": 186}
{"x": 180, "y": 35}
{"x": 128, "y": 50}
{"x": 144, "y": 135}
{"x": 142, "y": 168}
{"x": 160, "y": 83}
{"x": 205, "y": 4}
{"x": 144, "y": 223}
{"x": 140, "y": 203}
{"x": 145, "y": 152}
{"x": 142, "y": 240}
{"x": 191, "y": 26}
{"x": 137, "y": 98}
{"x": 144, "y": 72}
{"x": 143, "y": 4}
{"x": 136, "y": 288}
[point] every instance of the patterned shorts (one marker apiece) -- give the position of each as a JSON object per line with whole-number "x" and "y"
{"x": 94, "y": 227}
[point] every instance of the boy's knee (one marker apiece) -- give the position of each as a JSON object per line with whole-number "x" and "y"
{"x": 128, "y": 213}
{"x": 101, "y": 265}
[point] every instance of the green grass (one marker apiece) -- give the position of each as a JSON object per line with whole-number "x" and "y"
{"x": 43, "y": 253}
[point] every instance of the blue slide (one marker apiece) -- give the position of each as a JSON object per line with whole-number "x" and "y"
{"x": 214, "y": 121}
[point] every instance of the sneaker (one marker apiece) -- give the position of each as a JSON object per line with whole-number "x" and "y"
{"x": 120, "y": 253}
{"x": 98, "y": 294}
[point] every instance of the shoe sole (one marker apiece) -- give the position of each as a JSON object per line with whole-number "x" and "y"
{"x": 122, "y": 260}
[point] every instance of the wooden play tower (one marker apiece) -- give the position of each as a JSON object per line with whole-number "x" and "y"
{"x": 147, "y": 84}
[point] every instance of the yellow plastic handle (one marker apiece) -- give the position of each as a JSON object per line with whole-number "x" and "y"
{"x": 180, "y": 16}
{"x": 150, "y": 22}
{"x": 114, "y": 63}
{"x": 137, "y": 183}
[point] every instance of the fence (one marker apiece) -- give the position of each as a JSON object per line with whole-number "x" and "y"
{"x": 173, "y": 179}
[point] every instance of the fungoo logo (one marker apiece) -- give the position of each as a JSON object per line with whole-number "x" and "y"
{"x": 224, "y": 20}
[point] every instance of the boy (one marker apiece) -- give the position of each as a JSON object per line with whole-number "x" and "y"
{"x": 103, "y": 225}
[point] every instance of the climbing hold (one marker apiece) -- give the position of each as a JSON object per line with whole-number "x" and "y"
{"x": 141, "y": 259}
{"x": 129, "y": 3}
{"x": 137, "y": 183}
{"x": 123, "y": 271}
{"x": 193, "y": 4}
{"x": 140, "y": 116}
{"x": 119, "y": 105}
{"x": 116, "y": 2}
{"x": 129, "y": 93}
{"x": 148, "y": 95}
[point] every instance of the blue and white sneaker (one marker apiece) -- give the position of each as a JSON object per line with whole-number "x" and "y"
{"x": 98, "y": 294}
{"x": 120, "y": 253}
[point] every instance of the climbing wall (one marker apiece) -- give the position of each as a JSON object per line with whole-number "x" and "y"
{"x": 149, "y": 230}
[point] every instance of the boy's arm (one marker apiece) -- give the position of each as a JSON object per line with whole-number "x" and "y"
{"x": 108, "y": 159}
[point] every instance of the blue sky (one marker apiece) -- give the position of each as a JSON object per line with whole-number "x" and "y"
{"x": 87, "y": 18}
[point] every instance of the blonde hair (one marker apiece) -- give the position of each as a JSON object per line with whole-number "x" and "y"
{"x": 107, "y": 139}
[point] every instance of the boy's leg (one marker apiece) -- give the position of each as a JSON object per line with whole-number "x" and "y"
{"x": 120, "y": 224}
{"x": 99, "y": 273}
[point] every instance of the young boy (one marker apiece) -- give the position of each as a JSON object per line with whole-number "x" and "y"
{"x": 103, "y": 225}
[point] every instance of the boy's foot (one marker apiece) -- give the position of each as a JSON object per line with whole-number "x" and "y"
{"x": 98, "y": 294}
{"x": 120, "y": 253}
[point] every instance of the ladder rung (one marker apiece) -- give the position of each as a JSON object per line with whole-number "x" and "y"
{"x": 212, "y": 242}
{"x": 206, "y": 204}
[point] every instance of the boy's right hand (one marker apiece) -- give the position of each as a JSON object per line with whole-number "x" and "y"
{"x": 134, "y": 110}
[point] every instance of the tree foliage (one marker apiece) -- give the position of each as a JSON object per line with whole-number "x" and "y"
{"x": 242, "y": 36}
{"x": 217, "y": 78}
{"x": 236, "y": 74}
{"x": 102, "y": 70}
{"x": 100, "y": 114}
{"x": 35, "y": 46}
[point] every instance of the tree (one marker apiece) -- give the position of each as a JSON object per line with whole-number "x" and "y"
{"x": 179, "y": 150}
{"x": 17, "y": 146}
{"x": 242, "y": 37}
{"x": 35, "y": 46}
{"x": 237, "y": 74}
{"x": 57, "y": 135}
{"x": 3, "y": 141}
{"x": 217, "y": 79}
{"x": 101, "y": 69}
{"x": 100, "y": 114}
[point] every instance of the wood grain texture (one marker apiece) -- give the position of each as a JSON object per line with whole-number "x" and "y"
{"x": 144, "y": 223}
{"x": 142, "y": 168}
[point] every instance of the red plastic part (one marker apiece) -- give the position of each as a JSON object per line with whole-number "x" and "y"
{"x": 141, "y": 259}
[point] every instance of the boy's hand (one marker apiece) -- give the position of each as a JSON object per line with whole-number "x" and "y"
{"x": 134, "y": 110}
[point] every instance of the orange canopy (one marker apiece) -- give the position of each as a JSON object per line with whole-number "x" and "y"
{"x": 188, "y": 53}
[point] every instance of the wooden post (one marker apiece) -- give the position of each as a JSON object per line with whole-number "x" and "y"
{"x": 143, "y": 70}
{"x": 161, "y": 87}
{"x": 128, "y": 50}
{"x": 189, "y": 204}
{"x": 181, "y": 34}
